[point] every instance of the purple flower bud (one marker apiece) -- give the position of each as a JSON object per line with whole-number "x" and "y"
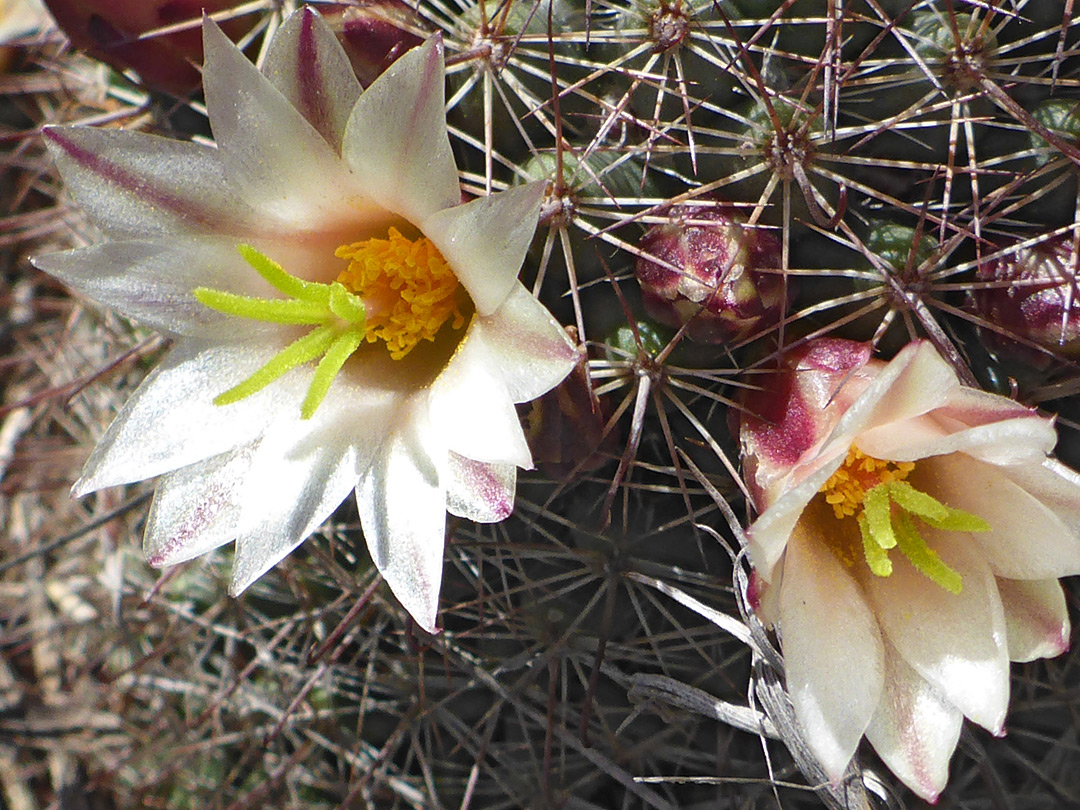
{"x": 375, "y": 34}
{"x": 705, "y": 268}
{"x": 1033, "y": 295}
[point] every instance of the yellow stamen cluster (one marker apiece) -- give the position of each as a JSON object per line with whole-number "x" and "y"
{"x": 846, "y": 490}
{"x": 409, "y": 289}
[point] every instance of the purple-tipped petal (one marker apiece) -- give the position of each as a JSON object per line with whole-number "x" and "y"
{"x": 485, "y": 241}
{"x": 1036, "y": 618}
{"x": 479, "y": 491}
{"x": 307, "y": 65}
{"x": 134, "y": 185}
{"x": 914, "y": 729}
{"x": 277, "y": 161}
{"x": 527, "y": 345}
{"x": 396, "y": 139}
{"x": 402, "y": 504}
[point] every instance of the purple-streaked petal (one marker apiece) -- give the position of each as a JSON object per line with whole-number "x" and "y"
{"x": 473, "y": 412}
{"x": 955, "y": 641}
{"x": 1027, "y": 540}
{"x": 307, "y": 65}
{"x": 274, "y": 158}
{"x": 832, "y": 652}
{"x": 151, "y": 281}
{"x": 134, "y": 185}
{"x": 485, "y": 241}
{"x": 914, "y": 729}
{"x": 527, "y": 346}
{"x": 1036, "y": 618}
{"x": 197, "y": 508}
{"x": 396, "y": 139}
{"x": 479, "y": 491}
{"x": 171, "y": 421}
{"x": 402, "y": 504}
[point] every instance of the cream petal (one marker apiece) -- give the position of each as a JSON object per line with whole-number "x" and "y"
{"x": 478, "y": 491}
{"x": 1036, "y": 618}
{"x": 530, "y": 349}
{"x": 768, "y": 535}
{"x": 197, "y": 508}
{"x": 954, "y": 641}
{"x": 1027, "y": 540}
{"x": 485, "y": 241}
{"x": 272, "y": 156}
{"x": 1055, "y": 485}
{"x": 307, "y": 65}
{"x": 396, "y": 139}
{"x": 832, "y": 652}
{"x": 296, "y": 480}
{"x": 151, "y": 281}
{"x": 152, "y": 435}
{"x": 402, "y": 504}
{"x": 914, "y": 729}
{"x": 1023, "y": 439}
{"x": 134, "y": 185}
{"x": 472, "y": 410}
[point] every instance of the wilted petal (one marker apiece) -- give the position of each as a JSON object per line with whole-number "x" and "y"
{"x": 197, "y": 508}
{"x": 396, "y": 139}
{"x": 402, "y": 503}
{"x": 955, "y": 641}
{"x": 171, "y": 420}
{"x": 472, "y": 410}
{"x": 274, "y": 158}
{"x": 914, "y": 729}
{"x": 485, "y": 241}
{"x": 309, "y": 67}
{"x": 479, "y": 491}
{"x": 151, "y": 281}
{"x": 1027, "y": 540}
{"x": 1036, "y": 618}
{"x": 133, "y": 185}
{"x": 832, "y": 652}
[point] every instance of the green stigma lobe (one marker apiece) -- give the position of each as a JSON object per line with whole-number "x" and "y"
{"x": 338, "y": 315}
{"x": 883, "y": 528}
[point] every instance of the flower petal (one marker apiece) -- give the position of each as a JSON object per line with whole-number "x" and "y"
{"x": 1055, "y": 485}
{"x": 479, "y": 491}
{"x": 832, "y": 651}
{"x": 275, "y": 159}
{"x": 152, "y": 435}
{"x": 914, "y": 729}
{"x": 309, "y": 67}
{"x": 402, "y": 503}
{"x": 396, "y": 139}
{"x": 1027, "y": 540}
{"x": 485, "y": 241}
{"x": 152, "y": 281}
{"x": 530, "y": 349}
{"x": 293, "y": 486}
{"x": 134, "y": 185}
{"x": 196, "y": 508}
{"x": 1036, "y": 618}
{"x": 955, "y": 641}
{"x": 473, "y": 412}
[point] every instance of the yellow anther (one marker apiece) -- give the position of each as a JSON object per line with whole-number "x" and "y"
{"x": 847, "y": 488}
{"x": 408, "y": 287}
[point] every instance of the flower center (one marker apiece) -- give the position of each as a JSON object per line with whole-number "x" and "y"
{"x": 407, "y": 286}
{"x": 397, "y": 290}
{"x": 885, "y": 507}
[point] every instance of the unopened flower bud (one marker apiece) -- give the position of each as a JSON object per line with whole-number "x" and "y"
{"x": 1032, "y": 293}
{"x": 707, "y": 270}
{"x": 375, "y": 34}
{"x": 112, "y": 31}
